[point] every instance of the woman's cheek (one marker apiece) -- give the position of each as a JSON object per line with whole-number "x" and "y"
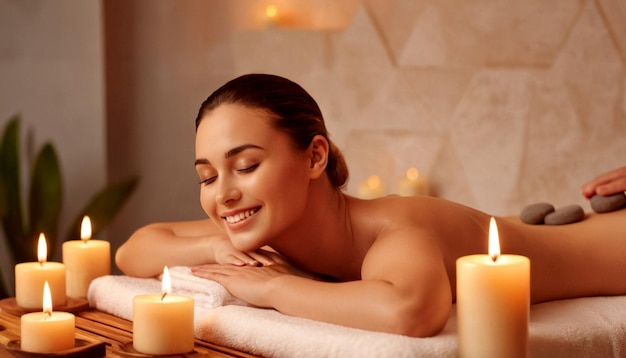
{"x": 205, "y": 201}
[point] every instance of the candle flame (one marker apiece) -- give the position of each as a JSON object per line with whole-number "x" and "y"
{"x": 166, "y": 283}
{"x": 494, "y": 240}
{"x": 42, "y": 249}
{"x": 85, "y": 229}
{"x": 412, "y": 174}
{"x": 47, "y": 299}
{"x": 271, "y": 11}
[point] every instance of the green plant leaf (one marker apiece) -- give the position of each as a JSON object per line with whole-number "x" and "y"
{"x": 103, "y": 207}
{"x": 20, "y": 230}
{"x": 10, "y": 200}
{"x": 45, "y": 200}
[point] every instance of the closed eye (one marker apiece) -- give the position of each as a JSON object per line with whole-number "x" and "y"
{"x": 208, "y": 181}
{"x": 248, "y": 169}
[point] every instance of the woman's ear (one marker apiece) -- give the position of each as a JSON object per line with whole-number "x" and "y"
{"x": 318, "y": 152}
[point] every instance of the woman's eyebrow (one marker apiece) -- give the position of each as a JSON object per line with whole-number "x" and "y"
{"x": 240, "y": 149}
{"x": 230, "y": 153}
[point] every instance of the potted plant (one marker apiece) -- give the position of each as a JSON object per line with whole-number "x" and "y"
{"x": 22, "y": 221}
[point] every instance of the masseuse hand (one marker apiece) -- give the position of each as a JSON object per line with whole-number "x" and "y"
{"x": 606, "y": 184}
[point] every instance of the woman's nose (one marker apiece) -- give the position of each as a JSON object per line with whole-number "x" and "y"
{"x": 227, "y": 193}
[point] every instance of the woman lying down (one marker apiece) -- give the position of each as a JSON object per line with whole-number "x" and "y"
{"x": 271, "y": 177}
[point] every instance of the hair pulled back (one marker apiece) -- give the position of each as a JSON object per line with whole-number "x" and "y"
{"x": 294, "y": 112}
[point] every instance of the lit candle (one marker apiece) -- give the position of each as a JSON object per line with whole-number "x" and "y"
{"x": 371, "y": 188}
{"x": 47, "y": 331}
{"x": 163, "y": 324}
{"x": 85, "y": 260}
{"x": 412, "y": 184}
{"x": 30, "y": 278}
{"x": 493, "y": 302}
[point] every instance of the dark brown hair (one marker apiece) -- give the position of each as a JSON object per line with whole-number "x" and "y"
{"x": 292, "y": 109}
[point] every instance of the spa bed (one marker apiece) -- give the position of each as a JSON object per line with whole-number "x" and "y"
{"x": 584, "y": 327}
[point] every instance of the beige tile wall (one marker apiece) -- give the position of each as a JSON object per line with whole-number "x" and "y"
{"x": 499, "y": 103}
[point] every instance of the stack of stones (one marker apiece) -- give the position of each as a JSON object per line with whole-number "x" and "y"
{"x": 545, "y": 213}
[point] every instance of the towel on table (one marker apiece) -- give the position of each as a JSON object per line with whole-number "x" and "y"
{"x": 585, "y": 327}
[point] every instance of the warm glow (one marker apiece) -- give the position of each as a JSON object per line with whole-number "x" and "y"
{"x": 373, "y": 181}
{"x": 85, "y": 229}
{"x": 271, "y": 11}
{"x": 42, "y": 249}
{"x": 412, "y": 174}
{"x": 166, "y": 282}
{"x": 47, "y": 299}
{"x": 494, "y": 240}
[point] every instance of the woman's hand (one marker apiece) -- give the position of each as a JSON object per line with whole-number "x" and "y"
{"x": 250, "y": 282}
{"x": 247, "y": 283}
{"x": 606, "y": 184}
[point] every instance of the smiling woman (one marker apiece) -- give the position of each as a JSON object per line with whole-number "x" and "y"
{"x": 250, "y": 169}
{"x": 283, "y": 235}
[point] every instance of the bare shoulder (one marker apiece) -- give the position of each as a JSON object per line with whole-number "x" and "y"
{"x": 402, "y": 235}
{"x": 417, "y": 233}
{"x": 402, "y": 255}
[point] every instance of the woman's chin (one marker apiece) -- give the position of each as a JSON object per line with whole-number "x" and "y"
{"x": 246, "y": 245}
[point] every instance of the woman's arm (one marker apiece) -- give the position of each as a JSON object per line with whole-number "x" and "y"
{"x": 185, "y": 243}
{"x": 404, "y": 289}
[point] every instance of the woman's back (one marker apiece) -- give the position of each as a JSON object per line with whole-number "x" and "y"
{"x": 567, "y": 260}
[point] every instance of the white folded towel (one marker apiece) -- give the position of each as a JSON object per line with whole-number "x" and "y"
{"x": 114, "y": 294}
{"x": 587, "y": 327}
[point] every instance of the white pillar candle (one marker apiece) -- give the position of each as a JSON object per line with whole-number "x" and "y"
{"x": 85, "y": 260}
{"x": 412, "y": 184}
{"x": 493, "y": 302}
{"x": 371, "y": 188}
{"x": 163, "y": 324}
{"x": 30, "y": 278}
{"x": 47, "y": 331}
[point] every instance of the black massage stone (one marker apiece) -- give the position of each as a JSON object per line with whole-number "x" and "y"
{"x": 565, "y": 215}
{"x": 605, "y": 204}
{"x": 534, "y": 214}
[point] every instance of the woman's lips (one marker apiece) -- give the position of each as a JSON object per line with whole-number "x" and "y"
{"x": 240, "y": 216}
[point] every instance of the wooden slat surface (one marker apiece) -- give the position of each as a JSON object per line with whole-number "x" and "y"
{"x": 95, "y": 326}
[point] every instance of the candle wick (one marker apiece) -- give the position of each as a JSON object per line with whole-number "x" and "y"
{"x": 163, "y": 295}
{"x": 48, "y": 314}
{"x": 494, "y": 258}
